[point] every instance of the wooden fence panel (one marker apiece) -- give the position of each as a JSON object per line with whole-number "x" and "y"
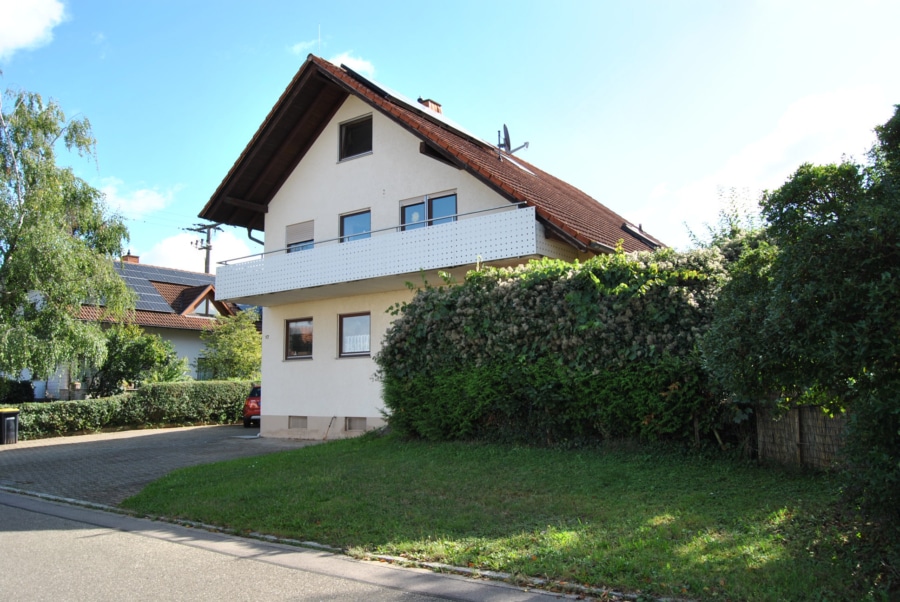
{"x": 804, "y": 436}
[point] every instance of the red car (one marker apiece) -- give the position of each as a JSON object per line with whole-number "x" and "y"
{"x": 251, "y": 407}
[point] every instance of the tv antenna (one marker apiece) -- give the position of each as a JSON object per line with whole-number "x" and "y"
{"x": 505, "y": 144}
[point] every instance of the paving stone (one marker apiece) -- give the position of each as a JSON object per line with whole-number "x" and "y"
{"x": 106, "y": 468}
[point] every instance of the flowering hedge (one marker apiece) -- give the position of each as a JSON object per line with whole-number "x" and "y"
{"x": 554, "y": 352}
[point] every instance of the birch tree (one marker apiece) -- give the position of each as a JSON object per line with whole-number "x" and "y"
{"x": 58, "y": 241}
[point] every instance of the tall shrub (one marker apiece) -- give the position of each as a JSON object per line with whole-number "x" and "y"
{"x": 553, "y": 352}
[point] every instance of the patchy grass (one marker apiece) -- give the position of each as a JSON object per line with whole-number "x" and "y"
{"x": 636, "y": 520}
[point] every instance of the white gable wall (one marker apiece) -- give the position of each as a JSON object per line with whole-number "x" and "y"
{"x": 313, "y": 398}
{"x": 322, "y": 188}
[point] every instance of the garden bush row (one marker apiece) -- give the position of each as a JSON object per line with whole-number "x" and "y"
{"x": 153, "y": 405}
{"x": 556, "y": 352}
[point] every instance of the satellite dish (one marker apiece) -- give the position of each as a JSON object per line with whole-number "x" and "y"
{"x": 505, "y": 144}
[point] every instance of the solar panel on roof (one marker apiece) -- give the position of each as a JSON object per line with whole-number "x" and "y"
{"x": 140, "y": 278}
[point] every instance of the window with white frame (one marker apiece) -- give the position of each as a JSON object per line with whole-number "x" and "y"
{"x": 299, "y": 237}
{"x": 429, "y": 210}
{"x": 354, "y": 334}
{"x": 298, "y": 339}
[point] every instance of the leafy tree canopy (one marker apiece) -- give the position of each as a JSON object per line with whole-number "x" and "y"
{"x": 233, "y": 347}
{"x": 57, "y": 241}
{"x": 133, "y": 357}
{"x": 811, "y": 312}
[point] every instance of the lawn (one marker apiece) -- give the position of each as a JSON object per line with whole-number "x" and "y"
{"x": 664, "y": 523}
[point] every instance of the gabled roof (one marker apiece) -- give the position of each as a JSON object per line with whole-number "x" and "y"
{"x": 166, "y": 297}
{"x": 314, "y": 96}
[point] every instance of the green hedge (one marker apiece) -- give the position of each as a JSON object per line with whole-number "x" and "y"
{"x": 153, "y": 405}
{"x": 555, "y": 352}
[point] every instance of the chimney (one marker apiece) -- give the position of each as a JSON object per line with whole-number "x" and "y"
{"x": 129, "y": 258}
{"x": 431, "y": 104}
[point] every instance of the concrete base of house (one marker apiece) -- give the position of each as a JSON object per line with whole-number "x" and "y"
{"x": 318, "y": 427}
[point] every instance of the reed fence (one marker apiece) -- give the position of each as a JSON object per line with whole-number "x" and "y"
{"x": 804, "y": 436}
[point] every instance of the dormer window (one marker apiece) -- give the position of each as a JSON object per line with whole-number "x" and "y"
{"x": 206, "y": 308}
{"x": 356, "y": 138}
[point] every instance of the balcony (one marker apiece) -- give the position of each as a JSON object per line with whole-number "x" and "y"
{"x": 386, "y": 260}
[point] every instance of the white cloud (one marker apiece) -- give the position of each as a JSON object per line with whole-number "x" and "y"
{"x": 815, "y": 129}
{"x": 302, "y": 48}
{"x": 179, "y": 252}
{"x": 28, "y": 25}
{"x": 135, "y": 204}
{"x": 357, "y": 64}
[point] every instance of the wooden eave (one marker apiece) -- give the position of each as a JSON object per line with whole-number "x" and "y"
{"x": 280, "y": 143}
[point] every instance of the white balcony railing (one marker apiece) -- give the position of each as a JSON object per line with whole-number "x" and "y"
{"x": 485, "y": 237}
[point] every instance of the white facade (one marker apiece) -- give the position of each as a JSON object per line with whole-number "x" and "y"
{"x": 187, "y": 343}
{"x": 324, "y": 395}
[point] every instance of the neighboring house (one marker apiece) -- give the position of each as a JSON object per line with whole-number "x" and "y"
{"x": 175, "y": 304}
{"x": 359, "y": 191}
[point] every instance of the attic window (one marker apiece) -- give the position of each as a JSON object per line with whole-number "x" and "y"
{"x": 356, "y": 138}
{"x": 206, "y": 308}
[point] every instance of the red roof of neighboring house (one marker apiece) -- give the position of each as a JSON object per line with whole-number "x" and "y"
{"x": 316, "y": 93}
{"x": 156, "y": 319}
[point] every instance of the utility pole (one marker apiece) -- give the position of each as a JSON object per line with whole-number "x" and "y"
{"x": 204, "y": 246}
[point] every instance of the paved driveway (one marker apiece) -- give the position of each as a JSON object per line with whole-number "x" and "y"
{"x": 107, "y": 468}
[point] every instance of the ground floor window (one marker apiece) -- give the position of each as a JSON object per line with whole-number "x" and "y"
{"x": 204, "y": 369}
{"x": 298, "y": 340}
{"x": 354, "y": 335}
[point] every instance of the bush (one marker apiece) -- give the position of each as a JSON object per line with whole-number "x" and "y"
{"x": 156, "y": 405}
{"x": 15, "y": 391}
{"x": 56, "y": 418}
{"x": 553, "y": 352}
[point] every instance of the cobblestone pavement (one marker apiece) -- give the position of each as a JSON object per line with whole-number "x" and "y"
{"x": 106, "y": 468}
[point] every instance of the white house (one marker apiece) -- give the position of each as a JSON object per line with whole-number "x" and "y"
{"x": 360, "y": 191}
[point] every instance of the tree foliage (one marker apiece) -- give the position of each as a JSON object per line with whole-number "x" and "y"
{"x": 233, "y": 347}
{"x": 134, "y": 357}
{"x": 57, "y": 241}
{"x": 812, "y": 311}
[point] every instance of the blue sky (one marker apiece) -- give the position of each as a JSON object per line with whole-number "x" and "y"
{"x": 654, "y": 108}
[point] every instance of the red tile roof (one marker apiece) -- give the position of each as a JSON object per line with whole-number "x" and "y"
{"x": 145, "y": 318}
{"x": 316, "y": 92}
